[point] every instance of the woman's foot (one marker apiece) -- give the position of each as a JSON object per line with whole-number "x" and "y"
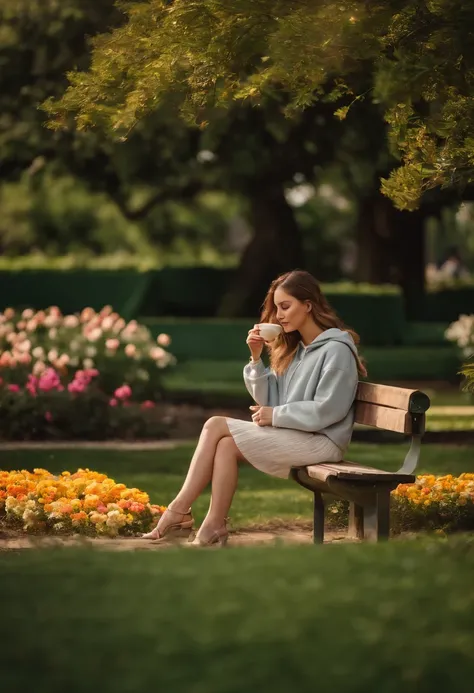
{"x": 211, "y": 536}
{"x": 172, "y": 523}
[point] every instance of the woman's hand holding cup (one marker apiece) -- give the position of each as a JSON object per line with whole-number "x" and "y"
{"x": 255, "y": 342}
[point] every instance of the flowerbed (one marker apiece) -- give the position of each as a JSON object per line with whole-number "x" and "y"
{"x": 85, "y": 502}
{"x": 433, "y": 503}
{"x": 89, "y": 376}
{"x": 33, "y": 342}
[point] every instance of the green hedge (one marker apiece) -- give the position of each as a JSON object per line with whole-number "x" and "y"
{"x": 376, "y": 312}
{"x": 443, "y": 306}
{"x": 72, "y": 290}
{"x": 221, "y": 340}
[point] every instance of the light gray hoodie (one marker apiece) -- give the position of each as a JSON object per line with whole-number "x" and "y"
{"x": 316, "y": 393}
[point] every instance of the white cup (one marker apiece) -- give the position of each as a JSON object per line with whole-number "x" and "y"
{"x": 269, "y": 331}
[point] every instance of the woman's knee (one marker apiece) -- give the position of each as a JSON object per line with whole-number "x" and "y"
{"x": 217, "y": 425}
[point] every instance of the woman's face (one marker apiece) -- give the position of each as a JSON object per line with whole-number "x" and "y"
{"x": 291, "y": 313}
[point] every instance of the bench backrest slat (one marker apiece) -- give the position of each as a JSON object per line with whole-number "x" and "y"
{"x": 391, "y": 408}
{"x": 385, "y": 395}
{"x": 383, "y": 417}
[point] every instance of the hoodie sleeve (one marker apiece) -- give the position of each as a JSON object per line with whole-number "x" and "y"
{"x": 261, "y": 383}
{"x": 333, "y": 399}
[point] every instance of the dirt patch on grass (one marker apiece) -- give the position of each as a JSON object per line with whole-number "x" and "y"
{"x": 14, "y": 541}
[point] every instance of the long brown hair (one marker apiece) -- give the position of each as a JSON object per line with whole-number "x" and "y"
{"x": 304, "y": 287}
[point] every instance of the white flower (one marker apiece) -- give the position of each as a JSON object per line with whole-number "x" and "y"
{"x": 119, "y": 325}
{"x": 38, "y": 352}
{"x": 39, "y": 368}
{"x": 24, "y": 346}
{"x": 52, "y": 355}
{"x": 53, "y": 333}
{"x": 91, "y": 351}
{"x": 74, "y": 345}
{"x": 88, "y": 363}
{"x": 51, "y": 320}
{"x": 157, "y": 353}
{"x": 27, "y": 314}
{"x": 163, "y": 339}
{"x": 94, "y": 334}
{"x": 63, "y": 360}
{"x": 71, "y": 321}
{"x": 107, "y": 323}
{"x": 31, "y": 325}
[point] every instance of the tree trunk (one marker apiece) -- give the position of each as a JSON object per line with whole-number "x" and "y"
{"x": 391, "y": 248}
{"x": 409, "y": 253}
{"x": 275, "y": 248}
{"x": 374, "y": 240}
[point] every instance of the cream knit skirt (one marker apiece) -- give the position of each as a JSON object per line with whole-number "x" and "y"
{"x": 276, "y": 450}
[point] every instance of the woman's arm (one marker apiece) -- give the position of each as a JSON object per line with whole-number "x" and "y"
{"x": 261, "y": 383}
{"x": 334, "y": 397}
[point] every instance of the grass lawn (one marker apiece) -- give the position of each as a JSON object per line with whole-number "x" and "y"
{"x": 260, "y": 499}
{"x": 347, "y": 619}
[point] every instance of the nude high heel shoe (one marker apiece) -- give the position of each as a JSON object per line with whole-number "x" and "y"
{"x": 174, "y": 528}
{"x": 218, "y": 538}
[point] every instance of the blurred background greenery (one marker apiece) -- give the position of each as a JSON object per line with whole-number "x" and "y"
{"x": 169, "y": 217}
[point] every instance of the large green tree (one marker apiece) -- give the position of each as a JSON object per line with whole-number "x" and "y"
{"x": 204, "y": 55}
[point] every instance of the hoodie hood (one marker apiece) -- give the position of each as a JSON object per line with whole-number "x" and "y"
{"x": 334, "y": 334}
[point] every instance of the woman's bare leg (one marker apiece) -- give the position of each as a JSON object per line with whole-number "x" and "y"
{"x": 200, "y": 469}
{"x": 224, "y": 483}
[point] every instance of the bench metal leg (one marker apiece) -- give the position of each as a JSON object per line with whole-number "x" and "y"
{"x": 318, "y": 518}
{"x": 377, "y": 517}
{"x": 356, "y": 521}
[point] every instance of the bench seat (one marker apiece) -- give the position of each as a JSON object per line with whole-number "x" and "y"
{"x": 351, "y": 471}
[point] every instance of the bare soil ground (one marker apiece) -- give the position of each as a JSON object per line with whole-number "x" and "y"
{"x": 14, "y": 541}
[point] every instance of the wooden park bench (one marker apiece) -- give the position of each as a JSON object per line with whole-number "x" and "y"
{"x": 368, "y": 489}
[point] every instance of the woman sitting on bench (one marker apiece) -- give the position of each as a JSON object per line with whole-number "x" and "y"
{"x": 304, "y": 409}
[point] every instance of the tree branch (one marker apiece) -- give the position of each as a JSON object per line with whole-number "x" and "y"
{"x": 186, "y": 193}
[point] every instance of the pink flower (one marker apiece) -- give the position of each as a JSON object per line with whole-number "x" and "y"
{"x": 147, "y": 404}
{"x": 91, "y": 372}
{"x": 163, "y": 339}
{"x": 130, "y": 350}
{"x": 14, "y": 388}
{"x": 113, "y": 402}
{"x": 123, "y": 392}
{"x": 48, "y": 416}
{"x": 112, "y": 344}
{"x": 32, "y": 384}
{"x": 5, "y": 358}
{"x": 101, "y": 508}
{"x": 77, "y": 386}
{"x": 49, "y": 381}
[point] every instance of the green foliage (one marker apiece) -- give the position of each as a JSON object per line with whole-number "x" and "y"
{"x": 468, "y": 372}
{"x": 416, "y": 61}
{"x": 51, "y": 215}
